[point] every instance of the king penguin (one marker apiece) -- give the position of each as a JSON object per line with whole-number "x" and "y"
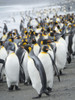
{"x": 12, "y": 68}
{"x": 61, "y": 53}
{"x": 36, "y": 47}
{"x": 36, "y": 72}
{"x": 3, "y": 55}
{"x": 48, "y": 66}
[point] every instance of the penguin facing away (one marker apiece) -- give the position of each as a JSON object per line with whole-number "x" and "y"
{"x": 12, "y": 68}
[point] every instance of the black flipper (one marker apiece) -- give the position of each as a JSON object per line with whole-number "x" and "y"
{"x": 70, "y": 44}
{"x": 20, "y": 54}
{"x": 55, "y": 67}
{"x": 41, "y": 70}
{"x": 69, "y": 58}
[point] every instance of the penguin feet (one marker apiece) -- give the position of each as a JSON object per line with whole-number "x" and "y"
{"x": 27, "y": 83}
{"x": 1, "y": 80}
{"x": 39, "y": 96}
{"x": 49, "y": 89}
{"x": 17, "y": 88}
{"x": 60, "y": 73}
{"x": 73, "y": 54}
{"x": 11, "y": 88}
{"x": 47, "y": 93}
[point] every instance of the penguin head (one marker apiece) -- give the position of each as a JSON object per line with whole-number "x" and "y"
{"x": 11, "y": 39}
{"x": 45, "y": 41}
{"x": 48, "y": 29}
{"x": 45, "y": 48}
{"x": 19, "y": 37}
{"x": 23, "y": 43}
{"x": 10, "y": 34}
{"x": 36, "y": 34}
{"x": 1, "y": 43}
{"x": 70, "y": 26}
{"x": 10, "y": 47}
{"x": 28, "y": 48}
{"x": 51, "y": 33}
{"x": 4, "y": 33}
{"x": 33, "y": 41}
{"x": 14, "y": 32}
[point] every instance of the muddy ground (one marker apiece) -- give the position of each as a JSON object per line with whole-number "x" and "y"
{"x": 64, "y": 90}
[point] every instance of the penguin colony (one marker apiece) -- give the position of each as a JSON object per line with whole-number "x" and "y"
{"x": 38, "y": 53}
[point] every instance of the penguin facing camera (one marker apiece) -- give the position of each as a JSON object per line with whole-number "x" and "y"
{"x": 12, "y": 68}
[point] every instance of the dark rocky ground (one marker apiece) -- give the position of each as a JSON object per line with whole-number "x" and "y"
{"x": 64, "y": 90}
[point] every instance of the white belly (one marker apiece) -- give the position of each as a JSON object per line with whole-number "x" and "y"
{"x": 47, "y": 63}
{"x": 61, "y": 55}
{"x": 12, "y": 68}
{"x": 34, "y": 76}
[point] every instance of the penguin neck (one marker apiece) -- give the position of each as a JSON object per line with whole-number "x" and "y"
{"x": 31, "y": 54}
{"x": 9, "y": 52}
{"x": 1, "y": 46}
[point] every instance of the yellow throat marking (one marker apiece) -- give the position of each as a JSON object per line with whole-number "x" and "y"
{"x": 12, "y": 53}
{"x": 36, "y": 44}
{"x": 43, "y": 52}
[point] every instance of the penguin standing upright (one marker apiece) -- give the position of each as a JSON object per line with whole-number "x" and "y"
{"x": 36, "y": 47}
{"x": 23, "y": 59}
{"x": 47, "y": 63}
{"x": 4, "y": 37}
{"x": 20, "y": 54}
{"x": 36, "y": 72}
{"x": 25, "y": 68}
{"x": 12, "y": 68}
{"x": 5, "y": 29}
{"x": 73, "y": 45}
{"x": 61, "y": 53}
{"x": 3, "y": 55}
